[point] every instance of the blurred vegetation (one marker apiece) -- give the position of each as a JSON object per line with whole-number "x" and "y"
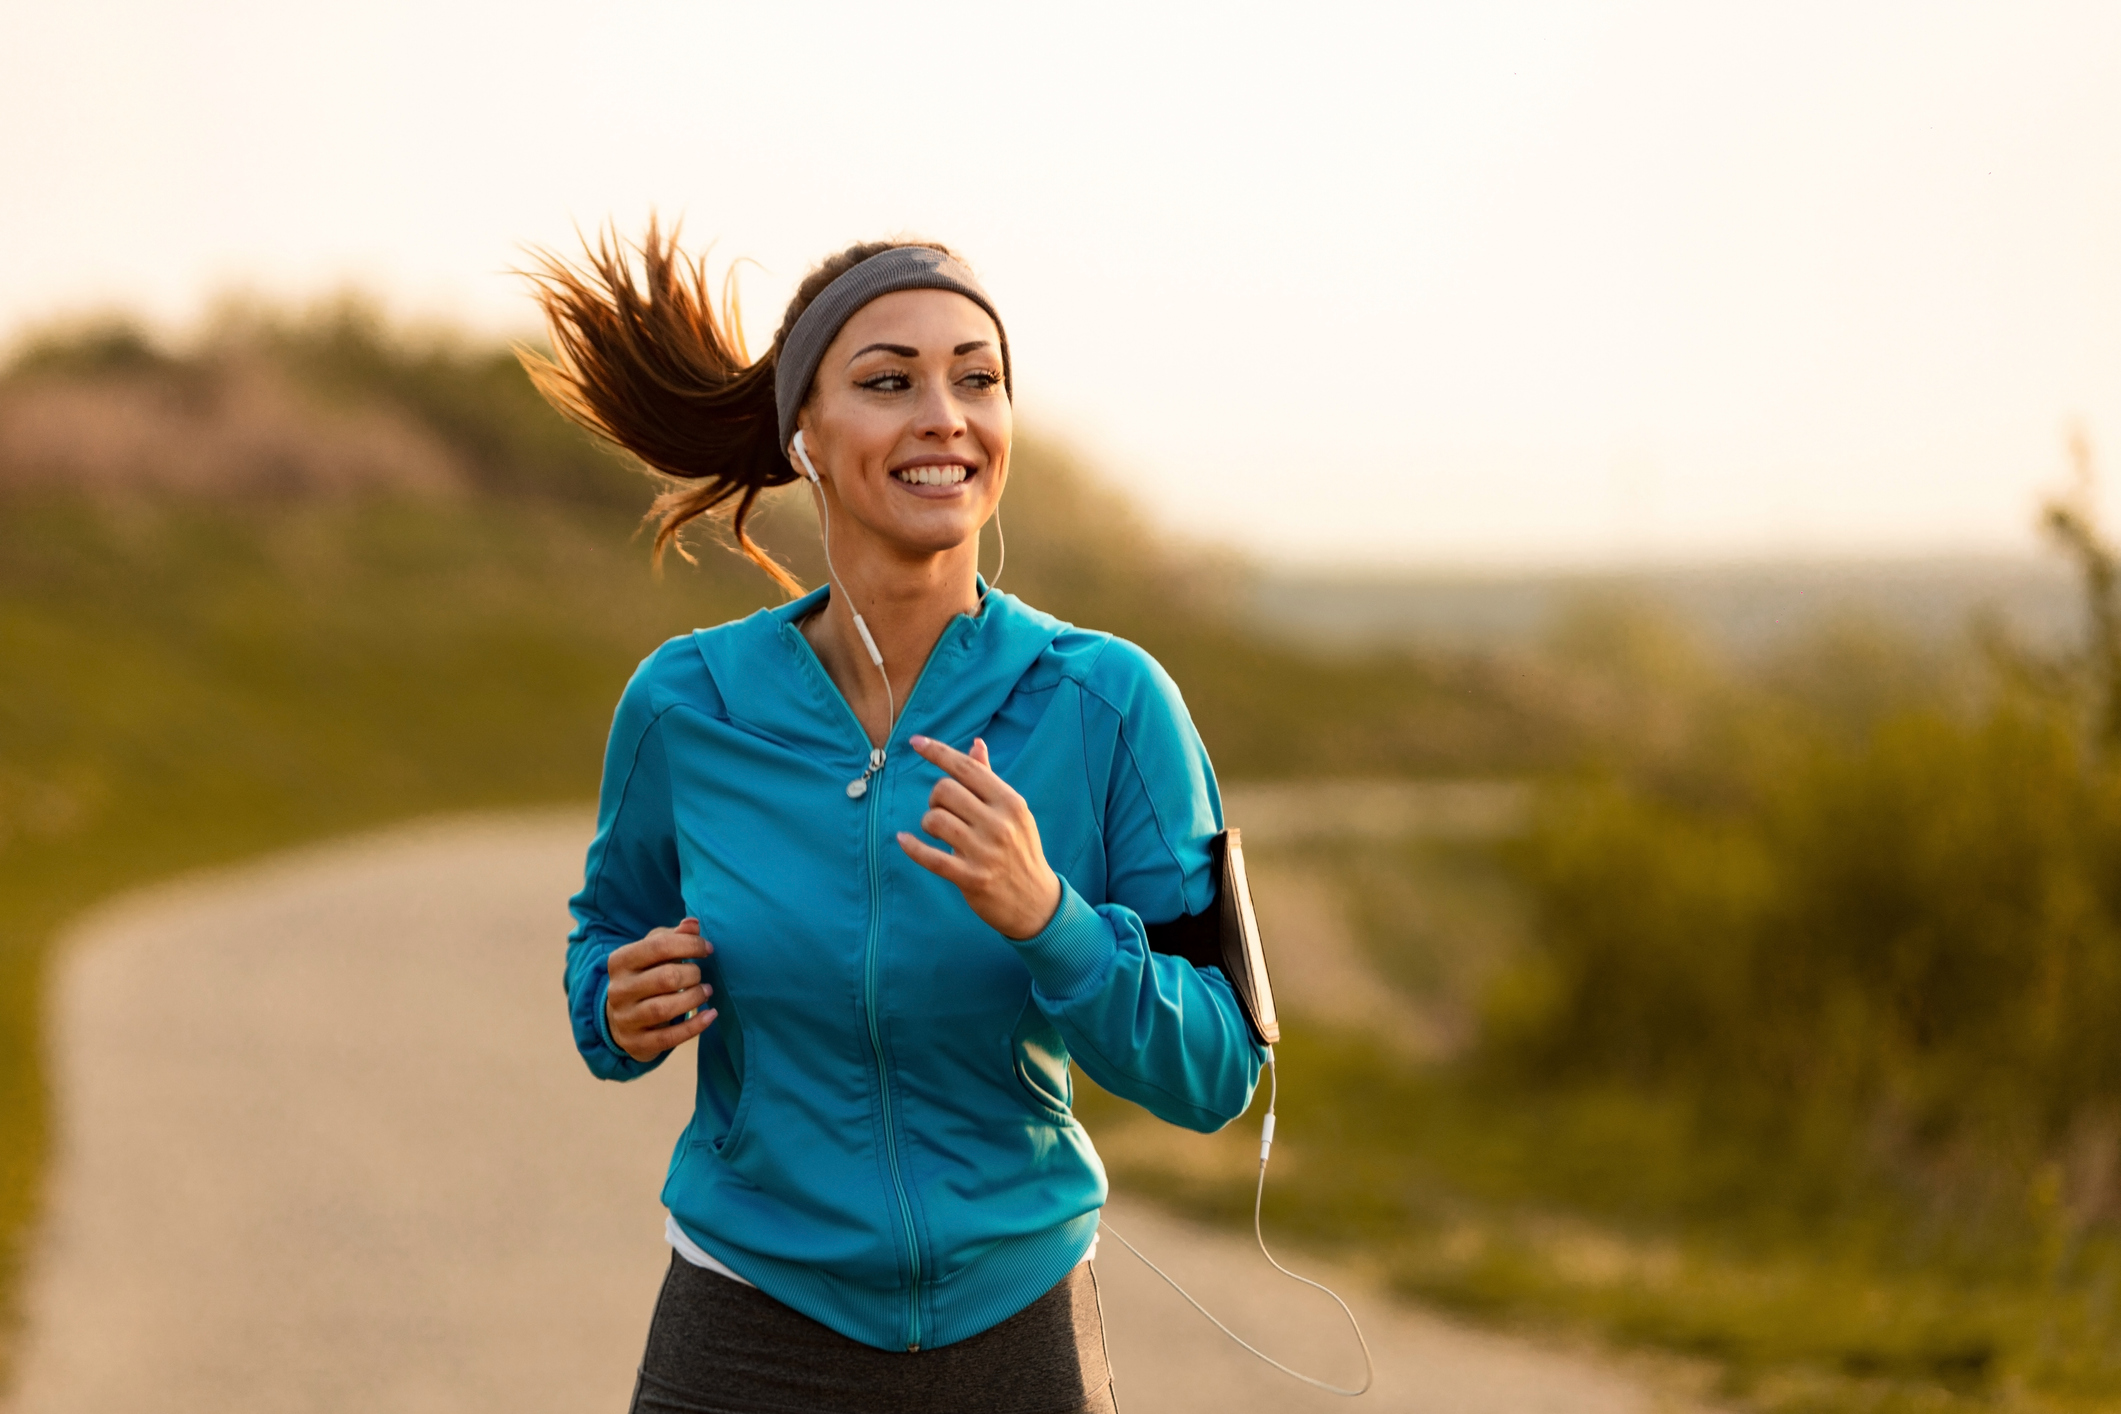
{"x": 287, "y": 643}
{"x": 1804, "y": 1055}
{"x": 1882, "y": 923}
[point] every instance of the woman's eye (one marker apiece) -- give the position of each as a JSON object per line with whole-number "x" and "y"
{"x": 983, "y": 380}
{"x": 887, "y": 383}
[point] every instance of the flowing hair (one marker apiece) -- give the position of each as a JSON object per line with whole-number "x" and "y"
{"x": 642, "y": 359}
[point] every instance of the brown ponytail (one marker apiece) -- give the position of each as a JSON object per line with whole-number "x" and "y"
{"x": 651, "y": 367}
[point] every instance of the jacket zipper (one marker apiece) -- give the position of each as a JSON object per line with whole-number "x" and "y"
{"x": 876, "y": 1037}
{"x": 875, "y": 804}
{"x": 883, "y": 1081}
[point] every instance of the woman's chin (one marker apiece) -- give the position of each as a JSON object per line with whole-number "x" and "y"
{"x": 937, "y": 533}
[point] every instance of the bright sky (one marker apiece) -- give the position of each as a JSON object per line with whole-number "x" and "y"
{"x": 1415, "y": 284}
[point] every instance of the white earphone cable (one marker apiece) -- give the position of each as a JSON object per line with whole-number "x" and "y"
{"x": 1001, "y": 562}
{"x": 859, "y": 787}
{"x": 1266, "y": 1142}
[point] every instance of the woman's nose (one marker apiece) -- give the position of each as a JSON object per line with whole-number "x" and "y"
{"x": 938, "y": 414}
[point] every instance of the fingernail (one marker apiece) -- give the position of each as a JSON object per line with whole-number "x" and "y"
{"x": 918, "y": 742}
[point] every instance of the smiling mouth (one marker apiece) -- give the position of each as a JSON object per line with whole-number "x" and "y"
{"x": 949, "y": 475}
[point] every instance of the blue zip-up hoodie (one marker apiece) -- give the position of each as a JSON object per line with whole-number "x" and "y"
{"x": 882, "y": 1137}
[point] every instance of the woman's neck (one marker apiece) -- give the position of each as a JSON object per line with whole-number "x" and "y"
{"x": 906, "y": 604}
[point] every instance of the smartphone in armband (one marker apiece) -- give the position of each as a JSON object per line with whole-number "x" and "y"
{"x": 1225, "y": 934}
{"x": 1244, "y": 960}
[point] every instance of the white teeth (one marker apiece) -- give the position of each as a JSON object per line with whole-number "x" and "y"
{"x": 932, "y": 475}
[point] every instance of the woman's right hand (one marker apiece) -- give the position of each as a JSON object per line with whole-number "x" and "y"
{"x": 653, "y": 984}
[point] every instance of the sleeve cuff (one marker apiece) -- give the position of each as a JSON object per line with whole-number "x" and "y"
{"x": 1074, "y": 948}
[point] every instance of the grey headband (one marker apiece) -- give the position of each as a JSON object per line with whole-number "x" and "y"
{"x": 906, "y": 267}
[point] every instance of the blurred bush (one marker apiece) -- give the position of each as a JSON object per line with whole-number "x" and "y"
{"x": 1797, "y": 1050}
{"x": 1877, "y": 910}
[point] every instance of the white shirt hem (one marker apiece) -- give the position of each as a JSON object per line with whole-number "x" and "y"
{"x": 694, "y": 1253}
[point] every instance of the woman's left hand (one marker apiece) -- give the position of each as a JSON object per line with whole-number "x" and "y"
{"x": 994, "y": 856}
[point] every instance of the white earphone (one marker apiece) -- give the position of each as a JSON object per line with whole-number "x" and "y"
{"x": 858, "y": 787}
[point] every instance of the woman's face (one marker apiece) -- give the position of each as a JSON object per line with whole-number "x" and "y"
{"x": 908, "y": 421}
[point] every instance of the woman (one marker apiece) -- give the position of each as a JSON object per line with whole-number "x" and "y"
{"x": 889, "y": 852}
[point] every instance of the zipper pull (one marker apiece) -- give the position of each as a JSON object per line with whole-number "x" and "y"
{"x": 856, "y": 789}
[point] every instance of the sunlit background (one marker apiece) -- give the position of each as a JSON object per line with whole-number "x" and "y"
{"x": 1383, "y": 284}
{"x": 1618, "y": 487}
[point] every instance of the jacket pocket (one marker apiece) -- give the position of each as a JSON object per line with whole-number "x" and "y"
{"x": 747, "y": 1088}
{"x": 1039, "y": 1058}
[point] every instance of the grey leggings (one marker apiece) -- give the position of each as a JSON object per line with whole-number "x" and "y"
{"x": 719, "y": 1347}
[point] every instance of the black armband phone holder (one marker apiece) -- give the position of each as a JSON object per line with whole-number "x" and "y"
{"x": 1225, "y": 934}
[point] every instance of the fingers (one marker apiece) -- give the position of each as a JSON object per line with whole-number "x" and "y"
{"x": 951, "y": 796}
{"x": 935, "y": 861}
{"x": 681, "y": 941}
{"x": 950, "y": 829}
{"x": 632, "y": 1015}
{"x": 667, "y": 981}
{"x": 972, "y": 772}
{"x": 653, "y": 984}
{"x": 664, "y": 1009}
{"x": 647, "y": 1044}
{"x": 630, "y": 986}
{"x": 661, "y": 945}
{"x": 670, "y": 977}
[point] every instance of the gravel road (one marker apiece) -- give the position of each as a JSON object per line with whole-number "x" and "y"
{"x": 324, "y": 1146}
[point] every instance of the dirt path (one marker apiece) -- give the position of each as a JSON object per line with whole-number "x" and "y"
{"x": 324, "y": 1147}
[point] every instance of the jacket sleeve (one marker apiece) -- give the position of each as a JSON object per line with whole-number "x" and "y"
{"x": 1147, "y": 1026}
{"x": 630, "y": 883}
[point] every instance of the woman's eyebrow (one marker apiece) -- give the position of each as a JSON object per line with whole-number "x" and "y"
{"x": 904, "y": 351}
